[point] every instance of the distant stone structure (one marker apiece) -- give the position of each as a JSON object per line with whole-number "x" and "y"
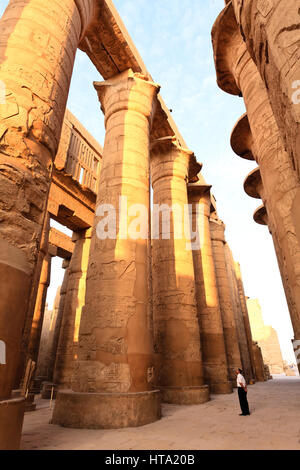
{"x": 266, "y": 338}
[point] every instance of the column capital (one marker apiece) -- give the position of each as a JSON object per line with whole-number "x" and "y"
{"x": 229, "y": 49}
{"x": 65, "y": 263}
{"x": 127, "y": 91}
{"x": 169, "y": 159}
{"x": 52, "y": 250}
{"x": 217, "y": 230}
{"x": 87, "y": 11}
{"x": 260, "y": 216}
{"x": 242, "y": 140}
{"x": 253, "y": 185}
{"x": 82, "y": 234}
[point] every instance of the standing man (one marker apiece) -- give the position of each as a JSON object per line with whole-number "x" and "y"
{"x": 242, "y": 391}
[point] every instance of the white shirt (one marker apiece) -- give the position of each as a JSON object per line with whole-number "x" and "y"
{"x": 240, "y": 380}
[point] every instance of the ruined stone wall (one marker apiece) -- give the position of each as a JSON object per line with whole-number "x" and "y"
{"x": 266, "y": 337}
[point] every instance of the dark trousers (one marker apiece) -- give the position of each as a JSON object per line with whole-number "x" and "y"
{"x": 243, "y": 401}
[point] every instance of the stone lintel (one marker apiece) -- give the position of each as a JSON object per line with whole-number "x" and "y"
{"x": 69, "y": 203}
{"x": 62, "y": 243}
{"x": 225, "y": 34}
{"x": 253, "y": 184}
{"x": 260, "y": 216}
{"x": 241, "y": 138}
{"x": 200, "y": 189}
{"x": 103, "y": 41}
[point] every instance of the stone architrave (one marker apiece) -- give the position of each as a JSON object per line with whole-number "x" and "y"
{"x": 209, "y": 313}
{"x": 176, "y": 327}
{"x": 112, "y": 383}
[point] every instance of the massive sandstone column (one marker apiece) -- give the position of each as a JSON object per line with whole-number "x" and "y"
{"x": 36, "y": 68}
{"x": 242, "y": 296}
{"x": 73, "y": 304}
{"x": 258, "y": 363}
{"x": 112, "y": 380}
{"x": 47, "y": 386}
{"x": 246, "y": 354}
{"x": 38, "y": 316}
{"x": 217, "y": 229}
{"x": 48, "y": 337}
{"x": 237, "y": 73}
{"x": 271, "y": 30}
{"x": 209, "y": 313}
{"x": 26, "y": 331}
{"x": 177, "y": 338}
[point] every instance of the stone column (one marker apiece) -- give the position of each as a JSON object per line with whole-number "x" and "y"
{"x": 209, "y": 313}
{"x": 48, "y": 368}
{"x": 36, "y": 330}
{"x": 73, "y": 304}
{"x": 246, "y": 354}
{"x": 258, "y": 363}
{"x": 217, "y": 229}
{"x": 177, "y": 339}
{"x": 237, "y": 73}
{"x": 47, "y": 386}
{"x": 26, "y": 332}
{"x": 39, "y": 310}
{"x": 271, "y": 32}
{"x": 112, "y": 380}
{"x": 241, "y": 292}
{"x": 36, "y": 68}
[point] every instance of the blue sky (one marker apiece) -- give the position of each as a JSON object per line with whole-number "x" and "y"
{"x": 173, "y": 38}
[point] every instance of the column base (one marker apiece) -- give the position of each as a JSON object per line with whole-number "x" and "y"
{"x": 106, "y": 410}
{"x": 11, "y": 422}
{"x": 36, "y": 386}
{"x": 185, "y": 395}
{"x": 47, "y": 391}
{"x": 221, "y": 388}
{"x": 30, "y": 405}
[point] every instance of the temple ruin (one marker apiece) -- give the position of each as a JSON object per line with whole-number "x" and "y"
{"x": 138, "y": 320}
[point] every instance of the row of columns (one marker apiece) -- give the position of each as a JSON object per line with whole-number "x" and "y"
{"x": 121, "y": 372}
{"x": 114, "y": 380}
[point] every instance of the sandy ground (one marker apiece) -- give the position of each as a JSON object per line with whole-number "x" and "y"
{"x": 273, "y": 424}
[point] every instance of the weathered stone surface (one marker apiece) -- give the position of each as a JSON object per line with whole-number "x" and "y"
{"x": 106, "y": 410}
{"x": 259, "y": 363}
{"x": 73, "y": 303}
{"x": 246, "y": 357}
{"x": 271, "y": 31}
{"x": 266, "y": 337}
{"x": 237, "y": 73}
{"x": 176, "y": 328}
{"x": 209, "y": 314}
{"x": 119, "y": 349}
{"x": 217, "y": 229}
